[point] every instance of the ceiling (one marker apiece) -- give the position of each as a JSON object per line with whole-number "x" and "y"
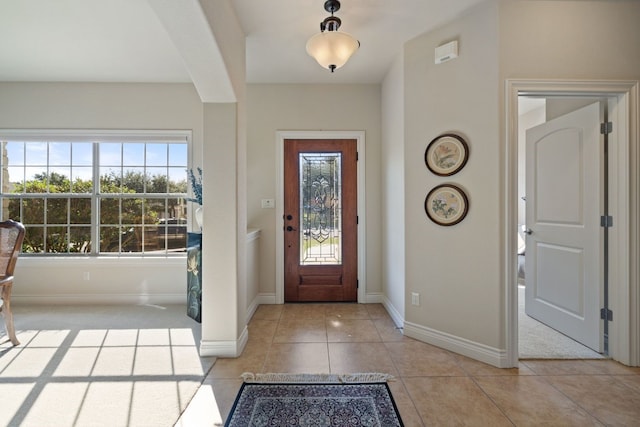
{"x": 145, "y": 40}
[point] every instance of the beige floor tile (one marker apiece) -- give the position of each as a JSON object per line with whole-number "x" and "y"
{"x": 388, "y": 330}
{"x": 251, "y": 360}
{"x": 311, "y": 358}
{"x": 300, "y": 329}
{"x": 262, "y": 330}
{"x": 406, "y": 408}
{"x": 476, "y": 368}
{"x": 453, "y": 401}
{"x": 347, "y": 311}
{"x": 631, "y": 381}
{"x": 306, "y": 311}
{"x": 267, "y": 312}
{"x": 532, "y": 401}
{"x": 351, "y": 330}
{"x": 562, "y": 367}
{"x": 414, "y": 358}
{"x": 377, "y": 311}
{"x": 360, "y": 357}
{"x": 442, "y": 388}
{"x": 621, "y": 406}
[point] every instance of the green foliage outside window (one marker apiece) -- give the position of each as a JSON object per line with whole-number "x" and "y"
{"x": 128, "y": 224}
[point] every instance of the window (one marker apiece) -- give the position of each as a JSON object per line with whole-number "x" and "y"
{"x": 112, "y": 193}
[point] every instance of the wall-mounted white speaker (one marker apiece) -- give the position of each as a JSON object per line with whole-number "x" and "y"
{"x": 446, "y": 52}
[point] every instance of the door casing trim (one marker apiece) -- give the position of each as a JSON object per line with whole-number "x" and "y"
{"x": 624, "y": 240}
{"x": 359, "y": 136}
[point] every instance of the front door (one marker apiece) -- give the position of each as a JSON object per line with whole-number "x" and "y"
{"x": 320, "y": 220}
{"x": 562, "y": 260}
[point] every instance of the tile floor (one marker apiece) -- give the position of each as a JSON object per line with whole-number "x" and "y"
{"x": 432, "y": 386}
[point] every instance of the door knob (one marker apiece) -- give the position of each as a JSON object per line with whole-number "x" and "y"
{"x": 290, "y": 228}
{"x": 528, "y": 231}
{"x": 289, "y": 217}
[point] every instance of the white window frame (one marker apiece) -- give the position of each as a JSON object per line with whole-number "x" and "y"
{"x": 101, "y": 136}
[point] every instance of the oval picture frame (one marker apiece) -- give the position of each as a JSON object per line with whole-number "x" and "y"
{"x": 446, "y": 154}
{"x": 446, "y": 204}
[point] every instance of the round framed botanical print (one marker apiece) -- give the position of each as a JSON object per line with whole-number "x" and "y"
{"x": 446, "y": 204}
{"x": 446, "y": 154}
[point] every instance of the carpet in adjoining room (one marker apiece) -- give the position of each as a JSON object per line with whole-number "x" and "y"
{"x": 125, "y": 365}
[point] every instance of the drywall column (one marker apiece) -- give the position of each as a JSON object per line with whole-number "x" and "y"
{"x": 220, "y": 233}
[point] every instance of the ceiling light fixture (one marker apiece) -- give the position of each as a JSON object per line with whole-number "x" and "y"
{"x": 330, "y": 47}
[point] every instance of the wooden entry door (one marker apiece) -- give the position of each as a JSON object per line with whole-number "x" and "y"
{"x": 320, "y": 220}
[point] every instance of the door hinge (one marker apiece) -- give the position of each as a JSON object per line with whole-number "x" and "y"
{"x": 357, "y": 156}
{"x": 357, "y": 220}
{"x": 606, "y": 221}
{"x": 606, "y": 128}
{"x": 357, "y": 284}
{"x": 606, "y": 314}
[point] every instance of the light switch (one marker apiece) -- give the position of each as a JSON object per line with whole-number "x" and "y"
{"x": 268, "y": 204}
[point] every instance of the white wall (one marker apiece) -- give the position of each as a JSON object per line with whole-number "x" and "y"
{"x": 392, "y": 183}
{"x": 569, "y": 39}
{"x": 456, "y": 269}
{"x": 101, "y": 106}
{"x": 309, "y": 107}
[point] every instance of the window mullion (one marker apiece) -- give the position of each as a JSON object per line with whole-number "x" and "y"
{"x": 95, "y": 199}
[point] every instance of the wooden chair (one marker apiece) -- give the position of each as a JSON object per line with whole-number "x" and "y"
{"x": 11, "y": 237}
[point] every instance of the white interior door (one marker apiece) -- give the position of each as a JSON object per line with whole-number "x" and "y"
{"x": 562, "y": 258}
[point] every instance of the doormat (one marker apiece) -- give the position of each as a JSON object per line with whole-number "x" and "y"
{"x": 314, "y": 400}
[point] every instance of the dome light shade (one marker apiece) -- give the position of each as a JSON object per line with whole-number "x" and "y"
{"x": 332, "y": 49}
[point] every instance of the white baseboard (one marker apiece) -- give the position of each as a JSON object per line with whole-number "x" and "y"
{"x": 266, "y": 299}
{"x": 397, "y": 318}
{"x": 483, "y": 353}
{"x": 374, "y": 298}
{"x": 224, "y": 348}
{"x": 102, "y": 299}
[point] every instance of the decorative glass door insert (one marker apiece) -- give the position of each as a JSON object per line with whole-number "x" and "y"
{"x": 320, "y": 213}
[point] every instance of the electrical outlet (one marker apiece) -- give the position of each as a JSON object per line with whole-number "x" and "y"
{"x": 268, "y": 204}
{"x": 415, "y": 298}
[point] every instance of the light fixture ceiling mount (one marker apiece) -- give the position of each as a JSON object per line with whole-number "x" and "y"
{"x": 332, "y": 48}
